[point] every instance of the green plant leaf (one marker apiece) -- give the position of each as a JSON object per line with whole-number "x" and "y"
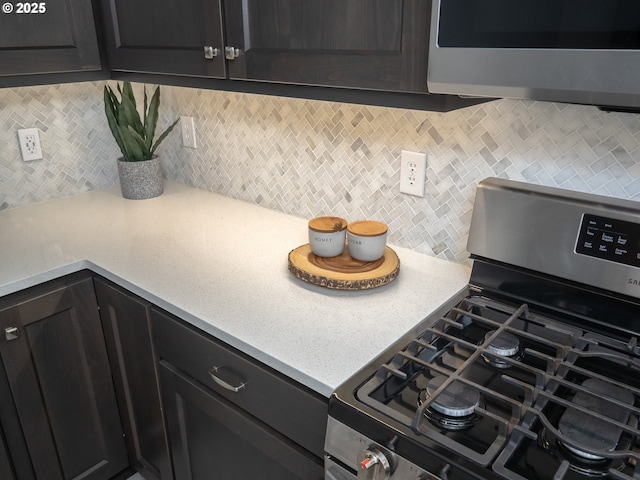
{"x": 131, "y": 115}
{"x": 162, "y": 137}
{"x": 146, "y": 154}
{"x": 133, "y": 135}
{"x": 110, "y": 108}
{"x": 110, "y": 98}
{"x": 135, "y": 153}
{"x": 133, "y": 150}
{"x": 127, "y": 91}
{"x": 152, "y": 117}
{"x": 144, "y": 110}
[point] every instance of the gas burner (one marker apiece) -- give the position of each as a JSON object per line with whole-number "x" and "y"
{"x": 454, "y": 408}
{"x": 505, "y": 344}
{"x": 581, "y": 462}
{"x": 595, "y": 433}
{"x": 579, "y": 431}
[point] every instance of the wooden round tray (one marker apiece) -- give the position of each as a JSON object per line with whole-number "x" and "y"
{"x": 343, "y": 272}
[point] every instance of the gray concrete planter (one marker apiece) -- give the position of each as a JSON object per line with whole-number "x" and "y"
{"x": 140, "y": 180}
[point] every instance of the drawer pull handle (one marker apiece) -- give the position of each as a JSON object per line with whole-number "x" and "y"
{"x": 224, "y": 384}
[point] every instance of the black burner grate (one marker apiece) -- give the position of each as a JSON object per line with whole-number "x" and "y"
{"x": 522, "y": 396}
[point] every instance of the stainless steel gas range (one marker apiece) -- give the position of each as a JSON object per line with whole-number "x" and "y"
{"x": 533, "y": 372}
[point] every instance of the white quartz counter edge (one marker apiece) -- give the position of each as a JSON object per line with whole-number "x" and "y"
{"x": 221, "y": 264}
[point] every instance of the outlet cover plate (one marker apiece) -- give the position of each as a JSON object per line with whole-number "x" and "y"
{"x": 29, "y": 139}
{"x": 413, "y": 172}
{"x": 188, "y": 132}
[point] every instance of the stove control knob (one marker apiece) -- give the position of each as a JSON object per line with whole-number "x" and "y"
{"x": 373, "y": 465}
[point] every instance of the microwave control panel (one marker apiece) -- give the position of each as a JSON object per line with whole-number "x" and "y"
{"x": 614, "y": 240}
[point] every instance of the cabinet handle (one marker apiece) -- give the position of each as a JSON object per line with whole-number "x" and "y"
{"x": 224, "y": 384}
{"x": 210, "y": 52}
{"x": 231, "y": 53}
{"x": 11, "y": 333}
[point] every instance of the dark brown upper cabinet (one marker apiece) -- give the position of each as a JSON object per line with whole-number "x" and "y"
{"x": 363, "y": 44}
{"x": 48, "y": 37}
{"x": 368, "y": 44}
{"x": 165, "y": 36}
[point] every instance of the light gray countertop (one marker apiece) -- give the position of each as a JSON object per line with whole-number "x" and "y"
{"x": 221, "y": 264}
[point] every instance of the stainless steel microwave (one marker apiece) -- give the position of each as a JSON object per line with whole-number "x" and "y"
{"x": 573, "y": 51}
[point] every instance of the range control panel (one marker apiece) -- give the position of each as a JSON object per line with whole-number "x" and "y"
{"x": 614, "y": 240}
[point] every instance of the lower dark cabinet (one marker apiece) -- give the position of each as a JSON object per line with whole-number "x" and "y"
{"x": 58, "y": 413}
{"x": 213, "y": 439}
{"x": 230, "y": 416}
{"x": 95, "y": 380}
{"x": 6, "y": 469}
{"x": 126, "y": 322}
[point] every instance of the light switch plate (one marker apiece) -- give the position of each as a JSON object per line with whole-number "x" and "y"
{"x": 413, "y": 173}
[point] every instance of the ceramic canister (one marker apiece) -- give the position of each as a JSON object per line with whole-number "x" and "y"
{"x": 367, "y": 240}
{"x": 327, "y": 236}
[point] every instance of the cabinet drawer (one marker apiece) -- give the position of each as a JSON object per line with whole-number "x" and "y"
{"x": 212, "y": 438}
{"x": 290, "y": 408}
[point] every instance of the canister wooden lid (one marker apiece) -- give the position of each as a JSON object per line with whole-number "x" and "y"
{"x": 327, "y": 224}
{"x": 367, "y": 228}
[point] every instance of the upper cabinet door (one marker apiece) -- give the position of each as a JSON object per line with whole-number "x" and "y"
{"x": 369, "y": 44}
{"x": 55, "y": 36}
{"x": 165, "y": 36}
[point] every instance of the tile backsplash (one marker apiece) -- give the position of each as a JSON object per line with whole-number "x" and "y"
{"x": 76, "y": 145}
{"x": 310, "y": 158}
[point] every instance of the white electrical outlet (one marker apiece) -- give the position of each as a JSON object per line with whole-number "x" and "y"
{"x": 29, "y": 144}
{"x": 413, "y": 173}
{"x": 188, "y": 132}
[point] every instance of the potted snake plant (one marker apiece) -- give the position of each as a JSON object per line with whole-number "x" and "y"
{"x": 139, "y": 167}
